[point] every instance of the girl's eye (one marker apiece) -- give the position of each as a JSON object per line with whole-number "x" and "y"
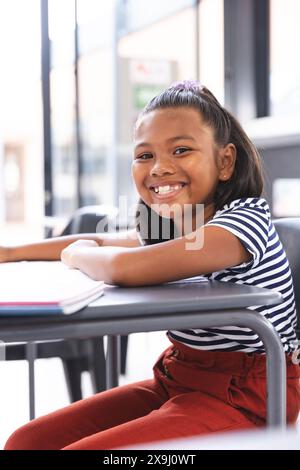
{"x": 181, "y": 150}
{"x": 143, "y": 156}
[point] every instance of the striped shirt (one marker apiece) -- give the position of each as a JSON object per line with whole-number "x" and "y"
{"x": 249, "y": 219}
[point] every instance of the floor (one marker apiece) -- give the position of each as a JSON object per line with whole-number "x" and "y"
{"x": 51, "y": 392}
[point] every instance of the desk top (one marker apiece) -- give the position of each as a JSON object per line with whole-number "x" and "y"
{"x": 179, "y": 297}
{"x": 128, "y": 310}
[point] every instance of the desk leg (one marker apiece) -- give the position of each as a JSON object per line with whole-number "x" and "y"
{"x": 276, "y": 386}
{"x": 276, "y": 365}
{"x": 113, "y": 361}
{"x": 31, "y": 356}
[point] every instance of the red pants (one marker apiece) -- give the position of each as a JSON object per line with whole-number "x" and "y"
{"x": 193, "y": 392}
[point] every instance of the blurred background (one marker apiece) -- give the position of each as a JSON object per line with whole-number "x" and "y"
{"x": 74, "y": 76}
{"x": 75, "y": 73}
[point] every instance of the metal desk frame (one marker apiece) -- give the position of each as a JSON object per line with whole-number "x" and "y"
{"x": 169, "y": 306}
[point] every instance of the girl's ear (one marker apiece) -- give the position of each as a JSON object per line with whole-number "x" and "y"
{"x": 226, "y": 160}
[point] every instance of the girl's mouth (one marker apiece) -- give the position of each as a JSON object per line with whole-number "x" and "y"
{"x": 167, "y": 191}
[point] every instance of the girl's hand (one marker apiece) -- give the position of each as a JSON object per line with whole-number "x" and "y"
{"x": 4, "y": 254}
{"x": 67, "y": 255}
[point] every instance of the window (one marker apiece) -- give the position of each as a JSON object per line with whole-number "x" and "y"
{"x": 211, "y": 46}
{"x": 285, "y": 65}
{"x": 63, "y": 99}
{"x": 21, "y": 161}
{"x": 149, "y": 60}
{"x": 96, "y": 89}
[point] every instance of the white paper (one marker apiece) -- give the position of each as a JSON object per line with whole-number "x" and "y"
{"x": 45, "y": 282}
{"x": 189, "y": 280}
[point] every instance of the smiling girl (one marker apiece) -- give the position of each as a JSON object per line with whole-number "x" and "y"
{"x": 188, "y": 151}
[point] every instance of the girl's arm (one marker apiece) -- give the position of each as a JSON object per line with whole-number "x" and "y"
{"x": 50, "y": 249}
{"x": 154, "y": 264}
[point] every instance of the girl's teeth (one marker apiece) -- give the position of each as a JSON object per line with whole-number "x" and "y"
{"x": 166, "y": 189}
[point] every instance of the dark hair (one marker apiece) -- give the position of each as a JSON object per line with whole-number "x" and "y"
{"x": 247, "y": 178}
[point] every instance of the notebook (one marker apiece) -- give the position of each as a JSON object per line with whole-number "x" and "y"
{"x": 45, "y": 287}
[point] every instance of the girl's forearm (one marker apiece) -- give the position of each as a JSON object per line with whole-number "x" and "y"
{"x": 49, "y": 249}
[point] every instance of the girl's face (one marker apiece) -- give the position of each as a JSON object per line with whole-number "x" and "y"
{"x": 176, "y": 160}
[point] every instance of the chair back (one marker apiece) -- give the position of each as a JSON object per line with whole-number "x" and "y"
{"x": 288, "y": 230}
{"x": 87, "y": 218}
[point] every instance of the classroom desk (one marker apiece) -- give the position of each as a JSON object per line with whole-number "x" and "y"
{"x": 179, "y": 305}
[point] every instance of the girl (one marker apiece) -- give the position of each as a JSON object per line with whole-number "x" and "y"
{"x": 188, "y": 150}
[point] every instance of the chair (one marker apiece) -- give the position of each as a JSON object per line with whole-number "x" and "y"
{"x": 288, "y": 230}
{"x": 86, "y": 354}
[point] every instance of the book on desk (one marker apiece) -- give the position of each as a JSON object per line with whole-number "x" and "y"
{"x": 44, "y": 288}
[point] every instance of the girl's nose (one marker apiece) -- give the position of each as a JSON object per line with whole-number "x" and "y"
{"x": 162, "y": 167}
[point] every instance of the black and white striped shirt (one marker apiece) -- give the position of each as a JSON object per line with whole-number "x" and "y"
{"x": 249, "y": 219}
